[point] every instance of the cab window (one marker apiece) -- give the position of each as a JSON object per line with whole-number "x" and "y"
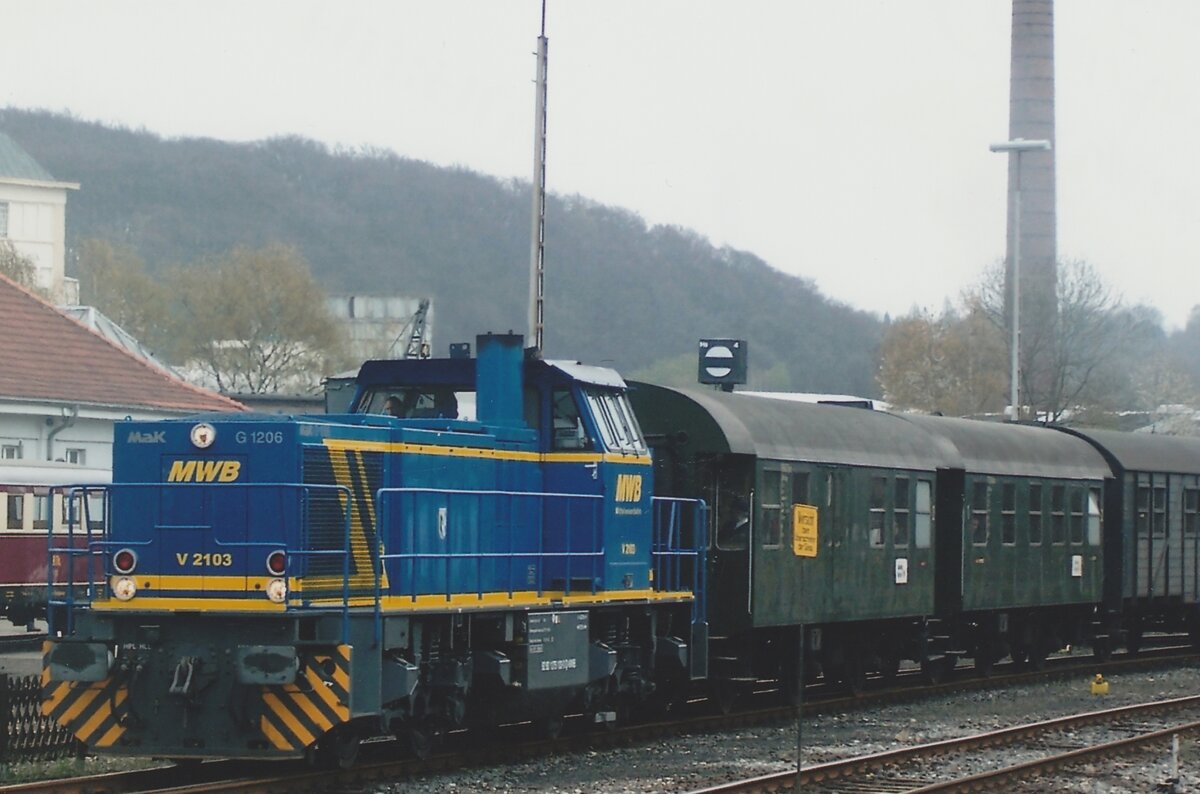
{"x": 618, "y": 429}
{"x": 568, "y": 432}
{"x": 417, "y": 402}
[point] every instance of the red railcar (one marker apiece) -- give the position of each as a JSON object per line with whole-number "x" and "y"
{"x": 33, "y": 502}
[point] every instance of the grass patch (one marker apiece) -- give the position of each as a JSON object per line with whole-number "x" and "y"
{"x": 28, "y": 771}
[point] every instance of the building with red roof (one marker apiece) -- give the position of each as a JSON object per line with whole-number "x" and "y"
{"x": 62, "y": 385}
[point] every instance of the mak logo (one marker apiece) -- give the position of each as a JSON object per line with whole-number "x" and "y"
{"x": 135, "y": 437}
{"x": 629, "y": 487}
{"x": 204, "y": 471}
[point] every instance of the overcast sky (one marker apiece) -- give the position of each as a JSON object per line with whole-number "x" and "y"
{"x": 845, "y": 142}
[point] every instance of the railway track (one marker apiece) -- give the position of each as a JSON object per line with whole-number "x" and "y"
{"x": 29, "y": 641}
{"x": 378, "y": 760}
{"x": 1042, "y": 747}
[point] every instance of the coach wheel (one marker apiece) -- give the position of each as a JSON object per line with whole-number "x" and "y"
{"x": 935, "y": 670}
{"x": 854, "y": 675}
{"x": 889, "y": 667}
{"x": 1102, "y": 649}
{"x": 726, "y": 695}
{"x": 985, "y": 662}
{"x": 1133, "y": 643}
{"x": 551, "y": 727}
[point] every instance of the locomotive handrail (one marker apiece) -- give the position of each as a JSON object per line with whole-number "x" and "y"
{"x": 667, "y": 550}
{"x": 384, "y": 500}
{"x": 92, "y": 550}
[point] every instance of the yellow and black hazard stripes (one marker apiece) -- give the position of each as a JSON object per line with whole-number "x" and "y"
{"x": 296, "y": 715}
{"x": 93, "y": 711}
{"x": 358, "y": 475}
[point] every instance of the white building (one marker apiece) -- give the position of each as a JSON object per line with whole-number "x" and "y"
{"x": 33, "y": 217}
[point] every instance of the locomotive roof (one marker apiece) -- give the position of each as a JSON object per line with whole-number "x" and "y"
{"x": 1146, "y": 451}
{"x": 461, "y": 372}
{"x": 786, "y": 430}
{"x": 1011, "y": 449}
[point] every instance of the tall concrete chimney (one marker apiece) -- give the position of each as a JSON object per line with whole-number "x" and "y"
{"x": 1031, "y": 116}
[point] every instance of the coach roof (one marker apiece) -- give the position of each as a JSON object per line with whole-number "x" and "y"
{"x": 1146, "y": 451}
{"x": 786, "y": 430}
{"x": 1013, "y": 449}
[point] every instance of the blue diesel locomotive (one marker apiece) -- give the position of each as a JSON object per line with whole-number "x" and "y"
{"x": 476, "y": 543}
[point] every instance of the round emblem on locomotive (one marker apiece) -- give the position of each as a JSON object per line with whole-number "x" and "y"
{"x": 203, "y": 435}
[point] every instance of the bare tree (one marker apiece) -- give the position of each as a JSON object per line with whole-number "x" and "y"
{"x": 18, "y": 267}
{"x": 1072, "y": 362}
{"x": 256, "y": 322}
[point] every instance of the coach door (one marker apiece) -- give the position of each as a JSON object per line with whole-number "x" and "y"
{"x": 1154, "y": 541}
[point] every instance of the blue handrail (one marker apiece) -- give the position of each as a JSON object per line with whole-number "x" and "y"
{"x": 91, "y": 544}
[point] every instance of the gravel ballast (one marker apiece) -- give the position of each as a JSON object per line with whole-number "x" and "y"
{"x": 688, "y": 762}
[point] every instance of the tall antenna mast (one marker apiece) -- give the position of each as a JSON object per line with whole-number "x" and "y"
{"x": 537, "y": 237}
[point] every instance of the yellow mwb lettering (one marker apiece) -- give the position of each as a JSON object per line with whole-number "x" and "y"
{"x": 204, "y": 470}
{"x": 629, "y": 487}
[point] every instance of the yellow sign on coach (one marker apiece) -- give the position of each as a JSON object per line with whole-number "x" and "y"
{"x": 804, "y": 530}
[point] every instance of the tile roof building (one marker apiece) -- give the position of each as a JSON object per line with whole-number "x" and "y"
{"x": 62, "y": 385}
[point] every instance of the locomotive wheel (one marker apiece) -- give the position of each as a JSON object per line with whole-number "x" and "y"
{"x": 345, "y": 749}
{"x": 421, "y": 740}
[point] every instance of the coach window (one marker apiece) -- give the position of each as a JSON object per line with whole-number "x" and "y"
{"x": 1058, "y": 514}
{"x": 1093, "y": 520}
{"x": 900, "y": 513}
{"x": 774, "y": 483}
{"x": 979, "y": 513}
{"x": 41, "y": 511}
{"x": 923, "y": 518}
{"x": 1076, "y": 516}
{"x": 1159, "y": 525}
{"x": 800, "y": 488}
{"x": 1143, "y": 512}
{"x": 95, "y": 508}
{"x": 1035, "y": 514}
{"x": 1008, "y": 513}
{"x": 1191, "y": 511}
{"x": 734, "y": 507}
{"x": 16, "y": 510}
{"x": 878, "y": 510}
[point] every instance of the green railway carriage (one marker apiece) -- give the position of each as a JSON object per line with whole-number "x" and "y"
{"x": 1020, "y": 554}
{"x": 1152, "y": 540}
{"x": 821, "y": 516}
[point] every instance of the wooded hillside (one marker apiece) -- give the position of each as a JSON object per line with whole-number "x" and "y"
{"x": 618, "y": 292}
